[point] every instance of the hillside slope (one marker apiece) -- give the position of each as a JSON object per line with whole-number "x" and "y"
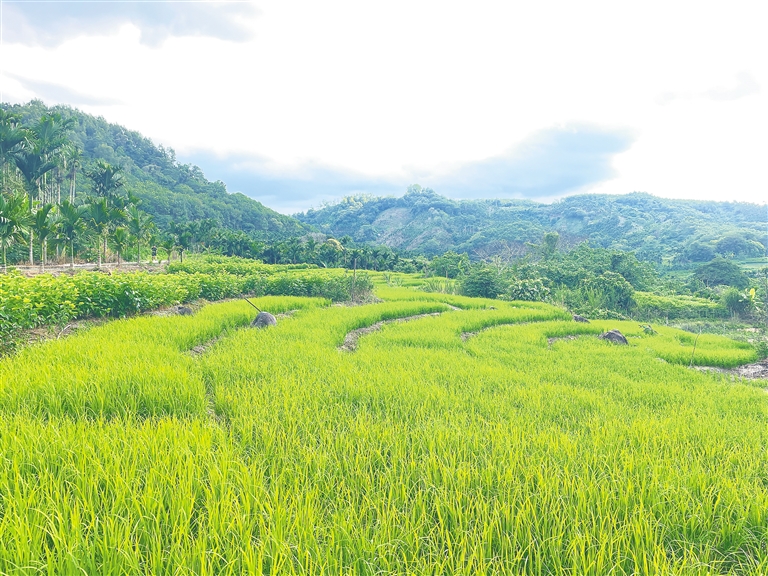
{"x": 168, "y": 189}
{"x": 423, "y": 221}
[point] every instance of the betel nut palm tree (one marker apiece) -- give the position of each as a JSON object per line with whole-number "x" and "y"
{"x": 43, "y": 226}
{"x": 31, "y": 162}
{"x": 139, "y": 225}
{"x": 15, "y": 220}
{"x": 71, "y": 224}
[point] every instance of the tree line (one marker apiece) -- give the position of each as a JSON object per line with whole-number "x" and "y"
{"x": 37, "y": 196}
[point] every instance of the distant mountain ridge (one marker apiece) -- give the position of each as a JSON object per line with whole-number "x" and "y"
{"x": 168, "y": 189}
{"x": 421, "y": 221}
{"x": 655, "y": 228}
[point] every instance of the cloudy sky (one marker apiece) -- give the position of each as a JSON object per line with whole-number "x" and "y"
{"x": 295, "y": 103}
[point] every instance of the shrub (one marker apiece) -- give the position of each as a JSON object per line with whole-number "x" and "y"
{"x": 482, "y": 282}
{"x": 609, "y": 290}
{"x": 530, "y": 289}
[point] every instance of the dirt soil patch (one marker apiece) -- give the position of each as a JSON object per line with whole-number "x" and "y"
{"x": 755, "y": 371}
{"x": 350, "y": 340}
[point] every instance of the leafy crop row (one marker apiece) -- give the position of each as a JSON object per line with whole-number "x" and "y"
{"x": 45, "y": 299}
{"x": 232, "y": 265}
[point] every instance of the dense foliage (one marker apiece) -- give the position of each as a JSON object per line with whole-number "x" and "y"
{"x": 601, "y": 283}
{"x": 168, "y": 190}
{"x": 679, "y": 231}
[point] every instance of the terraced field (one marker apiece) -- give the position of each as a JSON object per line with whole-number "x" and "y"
{"x": 477, "y": 437}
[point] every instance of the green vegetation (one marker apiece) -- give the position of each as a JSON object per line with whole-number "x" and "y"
{"x": 678, "y": 232}
{"x": 675, "y": 307}
{"x": 57, "y": 156}
{"x": 44, "y": 299}
{"x": 484, "y": 440}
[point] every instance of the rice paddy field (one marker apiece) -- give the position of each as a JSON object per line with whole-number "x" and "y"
{"x": 478, "y": 437}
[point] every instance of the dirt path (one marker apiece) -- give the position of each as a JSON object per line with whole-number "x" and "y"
{"x": 106, "y": 267}
{"x": 755, "y": 371}
{"x": 350, "y": 340}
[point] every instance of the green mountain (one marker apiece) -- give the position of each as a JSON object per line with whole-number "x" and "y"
{"x": 655, "y": 228}
{"x": 168, "y": 189}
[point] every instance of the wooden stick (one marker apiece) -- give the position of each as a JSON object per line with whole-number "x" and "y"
{"x": 252, "y": 304}
{"x": 694, "y": 349}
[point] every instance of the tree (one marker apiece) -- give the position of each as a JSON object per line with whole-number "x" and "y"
{"x": 12, "y": 135}
{"x": 50, "y": 135}
{"x": 107, "y": 180}
{"x": 183, "y": 243}
{"x": 31, "y": 162}
{"x": 139, "y": 225}
{"x": 120, "y": 241}
{"x": 329, "y": 251}
{"x": 530, "y": 289}
{"x": 293, "y": 249}
{"x": 699, "y": 252}
{"x": 720, "y": 271}
{"x": 549, "y": 244}
{"x": 100, "y": 217}
{"x": 450, "y": 264}
{"x": 71, "y": 161}
{"x": 14, "y": 221}
{"x": 43, "y": 227}
{"x": 168, "y": 243}
{"x": 71, "y": 225}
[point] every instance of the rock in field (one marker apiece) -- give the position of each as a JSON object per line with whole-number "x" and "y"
{"x": 614, "y": 336}
{"x": 577, "y": 318}
{"x": 184, "y": 310}
{"x": 263, "y": 320}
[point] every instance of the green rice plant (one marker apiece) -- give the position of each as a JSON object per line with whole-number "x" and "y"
{"x": 482, "y": 440}
{"x": 138, "y": 367}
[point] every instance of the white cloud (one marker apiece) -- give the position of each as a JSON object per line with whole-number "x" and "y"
{"x": 390, "y": 90}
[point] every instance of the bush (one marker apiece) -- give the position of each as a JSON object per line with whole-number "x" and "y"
{"x": 677, "y": 307}
{"x": 530, "y": 289}
{"x": 736, "y": 302}
{"x": 482, "y": 282}
{"x": 609, "y": 290}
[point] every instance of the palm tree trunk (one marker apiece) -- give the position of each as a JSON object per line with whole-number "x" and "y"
{"x": 31, "y": 248}
{"x": 5, "y": 263}
{"x": 44, "y": 250}
{"x": 72, "y": 254}
{"x": 138, "y": 253}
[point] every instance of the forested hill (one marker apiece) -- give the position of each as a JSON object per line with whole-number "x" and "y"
{"x": 423, "y": 221}
{"x": 167, "y": 189}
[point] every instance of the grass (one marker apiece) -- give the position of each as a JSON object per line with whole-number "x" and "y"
{"x": 421, "y": 452}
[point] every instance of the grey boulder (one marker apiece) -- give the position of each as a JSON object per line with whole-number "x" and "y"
{"x": 263, "y": 320}
{"x": 614, "y": 336}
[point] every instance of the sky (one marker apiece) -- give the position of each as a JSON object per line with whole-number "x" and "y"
{"x": 299, "y": 103}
